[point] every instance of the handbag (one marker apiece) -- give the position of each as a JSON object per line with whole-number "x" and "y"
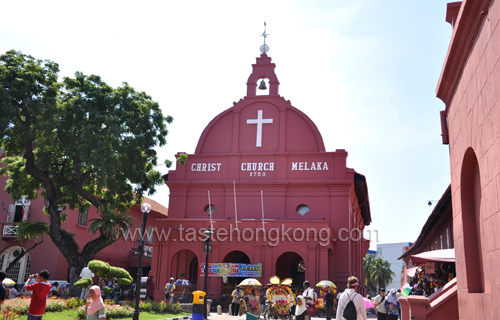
{"x": 311, "y": 308}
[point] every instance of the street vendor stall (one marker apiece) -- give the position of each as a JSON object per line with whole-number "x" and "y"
{"x": 251, "y": 299}
{"x": 279, "y": 296}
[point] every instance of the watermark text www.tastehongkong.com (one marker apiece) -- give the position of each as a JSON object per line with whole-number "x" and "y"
{"x": 273, "y": 236}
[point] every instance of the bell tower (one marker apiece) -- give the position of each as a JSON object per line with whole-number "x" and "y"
{"x": 263, "y": 69}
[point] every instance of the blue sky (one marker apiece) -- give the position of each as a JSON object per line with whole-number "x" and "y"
{"x": 364, "y": 71}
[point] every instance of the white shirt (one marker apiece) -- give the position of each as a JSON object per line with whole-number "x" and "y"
{"x": 13, "y": 293}
{"x": 380, "y": 304}
{"x": 309, "y": 293}
{"x": 345, "y": 297}
{"x": 86, "y": 273}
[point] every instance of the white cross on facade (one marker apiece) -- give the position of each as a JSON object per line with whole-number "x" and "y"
{"x": 259, "y": 121}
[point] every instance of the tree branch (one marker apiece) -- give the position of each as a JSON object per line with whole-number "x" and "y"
{"x": 23, "y": 253}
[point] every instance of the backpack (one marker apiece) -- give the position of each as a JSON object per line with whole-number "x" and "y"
{"x": 350, "y": 312}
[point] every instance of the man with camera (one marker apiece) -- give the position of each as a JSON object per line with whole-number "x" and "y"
{"x": 41, "y": 289}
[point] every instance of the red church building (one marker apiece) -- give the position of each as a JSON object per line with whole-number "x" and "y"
{"x": 278, "y": 200}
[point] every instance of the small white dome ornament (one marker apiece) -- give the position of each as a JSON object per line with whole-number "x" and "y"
{"x": 264, "y": 48}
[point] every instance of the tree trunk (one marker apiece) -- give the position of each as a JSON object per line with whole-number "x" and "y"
{"x": 74, "y": 276}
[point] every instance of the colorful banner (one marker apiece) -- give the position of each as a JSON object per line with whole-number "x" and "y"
{"x": 225, "y": 269}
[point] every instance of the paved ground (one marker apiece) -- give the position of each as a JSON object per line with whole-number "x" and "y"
{"x": 225, "y": 316}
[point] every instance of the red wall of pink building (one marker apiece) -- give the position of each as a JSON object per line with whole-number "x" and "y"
{"x": 470, "y": 88}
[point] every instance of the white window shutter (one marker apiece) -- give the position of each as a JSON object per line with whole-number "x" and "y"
{"x": 25, "y": 216}
{"x": 12, "y": 211}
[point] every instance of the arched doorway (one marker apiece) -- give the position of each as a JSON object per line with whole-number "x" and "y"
{"x": 229, "y": 283}
{"x": 291, "y": 265}
{"x": 193, "y": 273}
{"x": 21, "y": 270}
{"x": 184, "y": 265}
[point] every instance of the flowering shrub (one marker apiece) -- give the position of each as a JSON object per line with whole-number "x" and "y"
{"x": 9, "y": 314}
{"x": 111, "y": 312}
{"x": 21, "y": 305}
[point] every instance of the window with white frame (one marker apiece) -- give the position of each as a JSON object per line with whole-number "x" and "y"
{"x": 82, "y": 219}
{"x": 19, "y": 210}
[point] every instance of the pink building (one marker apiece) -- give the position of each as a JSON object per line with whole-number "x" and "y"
{"x": 47, "y": 255}
{"x": 469, "y": 86}
{"x": 277, "y": 198}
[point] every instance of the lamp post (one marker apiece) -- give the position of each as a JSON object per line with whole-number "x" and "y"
{"x": 207, "y": 247}
{"x": 145, "y": 208}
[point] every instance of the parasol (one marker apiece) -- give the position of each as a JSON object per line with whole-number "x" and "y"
{"x": 8, "y": 282}
{"x": 183, "y": 282}
{"x": 368, "y": 303}
{"x": 405, "y": 289}
{"x": 250, "y": 282}
{"x": 326, "y": 283}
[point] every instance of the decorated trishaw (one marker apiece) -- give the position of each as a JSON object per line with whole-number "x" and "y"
{"x": 250, "y": 301}
{"x": 279, "y": 298}
{"x": 323, "y": 289}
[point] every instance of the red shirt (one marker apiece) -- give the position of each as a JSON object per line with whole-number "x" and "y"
{"x": 38, "y": 298}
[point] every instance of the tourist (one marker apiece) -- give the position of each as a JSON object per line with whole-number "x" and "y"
{"x": 103, "y": 285}
{"x": 379, "y": 303}
{"x": 392, "y": 305}
{"x": 399, "y": 295}
{"x": 328, "y": 302}
{"x": 41, "y": 289}
{"x": 13, "y": 292}
{"x": 235, "y": 304}
{"x": 94, "y": 309}
{"x": 150, "y": 288}
{"x": 169, "y": 291}
{"x": 308, "y": 296}
{"x": 56, "y": 290}
{"x": 85, "y": 274}
{"x": 3, "y": 290}
{"x": 300, "y": 310}
{"x": 294, "y": 301}
{"x": 263, "y": 299}
{"x": 348, "y": 295}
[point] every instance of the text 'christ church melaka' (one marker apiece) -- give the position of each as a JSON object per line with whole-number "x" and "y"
{"x": 261, "y": 166}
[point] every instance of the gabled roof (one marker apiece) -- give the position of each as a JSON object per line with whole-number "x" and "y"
{"x": 436, "y": 215}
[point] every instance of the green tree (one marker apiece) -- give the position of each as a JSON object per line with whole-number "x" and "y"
{"x": 367, "y": 263}
{"x": 379, "y": 272}
{"x": 81, "y": 143}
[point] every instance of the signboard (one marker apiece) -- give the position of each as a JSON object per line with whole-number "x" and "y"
{"x": 226, "y": 269}
{"x": 146, "y": 253}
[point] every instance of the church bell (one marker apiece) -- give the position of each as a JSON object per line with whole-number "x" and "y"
{"x": 262, "y": 85}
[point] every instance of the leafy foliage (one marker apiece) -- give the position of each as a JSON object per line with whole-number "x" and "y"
{"x": 82, "y": 143}
{"x": 104, "y": 270}
{"x": 28, "y": 230}
{"x": 84, "y": 283}
{"x": 376, "y": 272}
